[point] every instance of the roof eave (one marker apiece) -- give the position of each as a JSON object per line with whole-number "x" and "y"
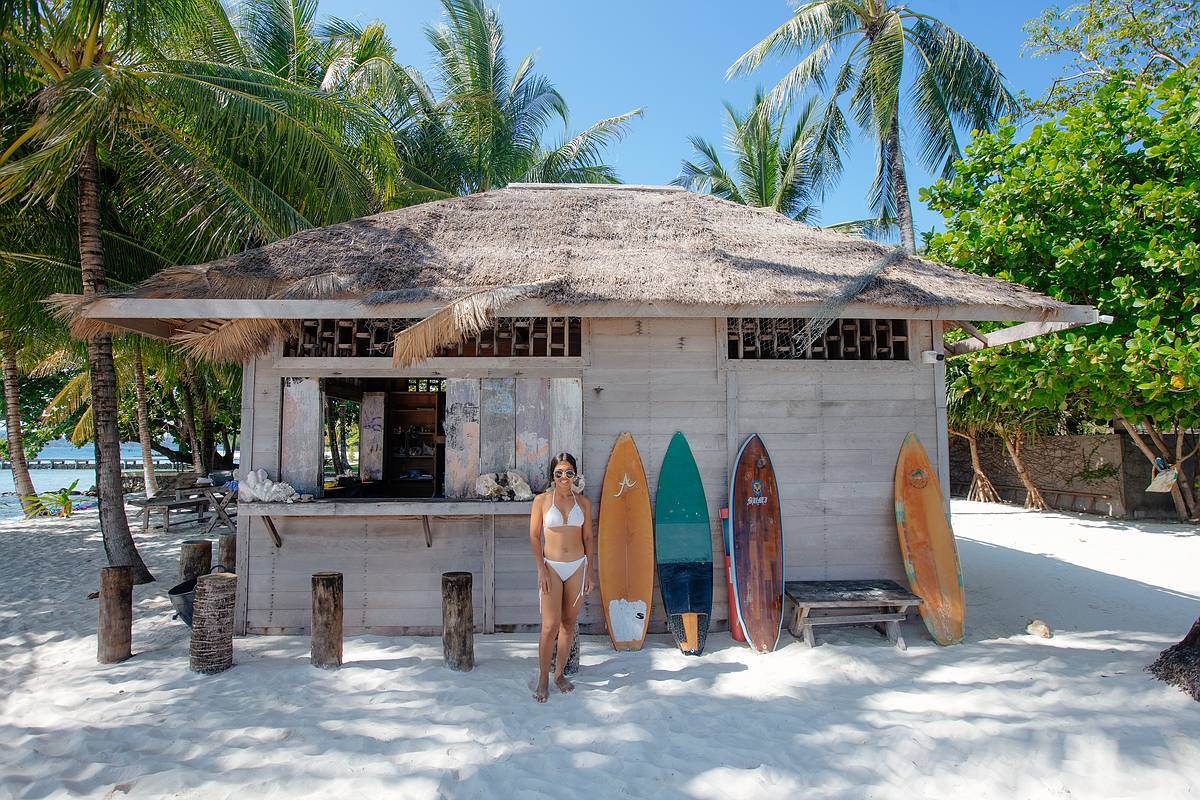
{"x": 161, "y": 317}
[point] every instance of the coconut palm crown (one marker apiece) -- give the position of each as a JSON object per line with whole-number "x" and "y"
{"x": 489, "y": 127}
{"x": 898, "y": 68}
{"x": 776, "y": 168}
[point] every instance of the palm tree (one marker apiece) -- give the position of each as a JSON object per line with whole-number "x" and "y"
{"x": 953, "y": 83}
{"x": 771, "y": 172}
{"x": 488, "y": 130}
{"x": 94, "y": 103}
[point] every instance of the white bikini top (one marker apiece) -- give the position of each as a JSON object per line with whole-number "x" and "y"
{"x": 554, "y": 519}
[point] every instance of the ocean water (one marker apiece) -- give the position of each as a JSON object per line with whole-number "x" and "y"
{"x": 51, "y": 480}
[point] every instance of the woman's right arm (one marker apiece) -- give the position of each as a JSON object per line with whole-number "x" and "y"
{"x": 535, "y": 542}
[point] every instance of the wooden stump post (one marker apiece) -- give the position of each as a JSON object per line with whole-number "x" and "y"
{"x": 212, "y": 623}
{"x": 227, "y": 551}
{"x": 195, "y": 558}
{"x": 572, "y": 666}
{"x": 458, "y": 622}
{"x": 114, "y": 631}
{"x": 326, "y": 651}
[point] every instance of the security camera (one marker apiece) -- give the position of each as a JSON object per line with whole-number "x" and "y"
{"x": 932, "y": 357}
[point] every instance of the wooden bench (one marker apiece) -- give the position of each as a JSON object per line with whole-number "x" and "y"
{"x": 883, "y": 604}
{"x": 174, "y": 494}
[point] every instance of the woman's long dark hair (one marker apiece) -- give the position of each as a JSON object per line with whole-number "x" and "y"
{"x": 561, "y": 458}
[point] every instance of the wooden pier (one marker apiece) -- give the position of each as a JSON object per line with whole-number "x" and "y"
{"x": 85, "y": 463}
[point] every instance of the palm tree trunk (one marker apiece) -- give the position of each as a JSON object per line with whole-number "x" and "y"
{"x": 908, "y": 239}
{"x": 189, "y": 423}
{"x": 12, "y": 410}
{"x": 208, "y": 445}
{"x": 1033, "y": 495}
{"x": 335, "y": 452}
{"x": 143, "y": 418}
{"x": 114, "y": 526}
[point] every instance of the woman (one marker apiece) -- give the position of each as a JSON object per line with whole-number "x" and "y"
{"x": 565, "y": 565}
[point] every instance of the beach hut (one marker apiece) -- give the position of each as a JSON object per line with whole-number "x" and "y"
{"x": 484, "y": 333}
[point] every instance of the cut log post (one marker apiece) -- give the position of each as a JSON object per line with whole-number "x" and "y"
{"x": 572, "y": 666}
{"x": 114, "y": 632}
{"x": 326, "y": 651}
{"x": 227, "y": 551}
{"x": 212, "y": 623}
{"x": 458, "y": 623}
{"x": 195, "y": 559}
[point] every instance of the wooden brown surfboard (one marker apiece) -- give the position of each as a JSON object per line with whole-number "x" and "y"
{"x": 927, "y": 544}
{"x": 756, "y": 550}
{"x": 626, "y": 547}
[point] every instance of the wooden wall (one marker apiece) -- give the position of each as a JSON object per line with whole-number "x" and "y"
{"x": 833, "y": 429}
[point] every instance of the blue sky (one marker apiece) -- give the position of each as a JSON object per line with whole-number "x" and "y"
{"x": 670, "y": 57}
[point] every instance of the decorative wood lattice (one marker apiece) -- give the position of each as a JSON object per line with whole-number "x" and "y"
{"x": 509, "y": 337}
{"x": 775, "y": 338}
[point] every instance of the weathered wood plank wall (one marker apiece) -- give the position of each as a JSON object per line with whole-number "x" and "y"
{"x": 833, "y": 429}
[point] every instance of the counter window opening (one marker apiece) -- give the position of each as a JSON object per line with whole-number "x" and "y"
{"x": 393, "y": 446}
{"x": 777, "y": 339}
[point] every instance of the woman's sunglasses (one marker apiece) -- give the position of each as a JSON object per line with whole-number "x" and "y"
{"x": 560, "y": 473}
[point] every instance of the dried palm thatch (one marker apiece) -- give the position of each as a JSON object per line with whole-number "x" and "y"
{"x": 580, "y": 244}
{"x": 242, "y": 336}
{"x": 466, "y": 316}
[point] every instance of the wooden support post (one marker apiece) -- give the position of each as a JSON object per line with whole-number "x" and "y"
{"x": 327, "y": 614}
{"x": 114, "y": 631}
{"x": 195, "y": 558}
{"x": 211, "y": 648}
{"x": 458, "y": 623}
{"x": 572, "y": 666}
{"x": 227, "y": 551}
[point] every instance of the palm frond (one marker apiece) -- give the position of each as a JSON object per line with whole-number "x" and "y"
{"x": 466, "y": 316}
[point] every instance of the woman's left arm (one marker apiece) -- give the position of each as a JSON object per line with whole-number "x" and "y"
{"x": 591, "y": 579}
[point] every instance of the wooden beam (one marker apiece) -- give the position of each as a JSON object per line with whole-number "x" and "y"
{"x": 1017, "y": 333}
{"x": 971, "y": 329}
{"x": 154, "y": 328}
{"x": 116, "y": 309}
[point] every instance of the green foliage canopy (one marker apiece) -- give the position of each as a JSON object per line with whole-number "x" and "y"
{"x": 1100, "y": 207}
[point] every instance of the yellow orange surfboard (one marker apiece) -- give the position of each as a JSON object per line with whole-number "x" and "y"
{"x": 626, "y": 547}
{"x": 927, "y": 544}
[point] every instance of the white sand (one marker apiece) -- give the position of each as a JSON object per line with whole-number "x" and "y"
{"x": 1004, "y": 715}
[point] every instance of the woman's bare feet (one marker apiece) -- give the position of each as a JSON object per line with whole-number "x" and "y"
{"x": 563, "y": 684}
{"x": 541, "y": 692}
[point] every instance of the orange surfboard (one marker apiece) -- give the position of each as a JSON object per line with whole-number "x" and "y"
{"x": 927, "y": 544}
{"x": 626, "y": 547}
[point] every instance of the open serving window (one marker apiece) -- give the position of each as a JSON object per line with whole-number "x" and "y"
{"x": 423, "y": 437}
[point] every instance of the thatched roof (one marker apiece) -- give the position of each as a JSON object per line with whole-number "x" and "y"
{"x": 596, "y": 243}
{"x": 585, "y": 244}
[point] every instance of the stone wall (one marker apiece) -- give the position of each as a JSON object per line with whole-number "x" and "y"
{"x": 1097, "y": 474}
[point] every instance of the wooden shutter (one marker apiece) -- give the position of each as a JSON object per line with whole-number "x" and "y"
{"x": 302, "y": 445}
{"x": 371, "y": 436}
{"x": 461, "y": 427}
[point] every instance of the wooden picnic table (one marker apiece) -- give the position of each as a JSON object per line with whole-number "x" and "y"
{"x": 881, "y": 603}
{"x": 219, "y": 498}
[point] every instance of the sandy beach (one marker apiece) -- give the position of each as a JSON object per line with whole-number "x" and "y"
{"x": 1004, "y": 715}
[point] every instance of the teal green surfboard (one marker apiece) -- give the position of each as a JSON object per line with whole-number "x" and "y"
{"x": 683, "y": 547}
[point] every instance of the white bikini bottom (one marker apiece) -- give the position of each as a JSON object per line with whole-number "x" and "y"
{"x": 566, "y": 569}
